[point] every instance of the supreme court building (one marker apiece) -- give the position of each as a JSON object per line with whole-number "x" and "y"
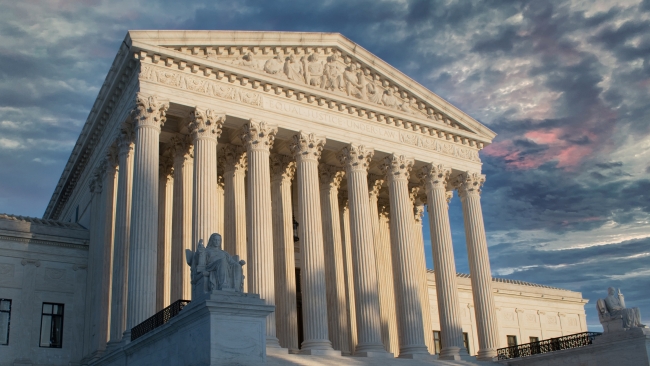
{"x": 315, "y": 160}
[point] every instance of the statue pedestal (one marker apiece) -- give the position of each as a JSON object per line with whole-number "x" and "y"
{"x": 224, "y": 328}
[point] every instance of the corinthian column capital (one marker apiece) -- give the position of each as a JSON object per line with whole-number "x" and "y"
{"x": 330, "y": 176}
{"x": 356, "y": 157}
{"x": 205, "y": 124}
{"x": 435, "y": 176}
{"x": 307, "y": 146}
{"x": 258, "y": 135}
{"x": 282, "y": 167}
{"x": 111, "y": 160}
{"x": 125, "y": 138}
{"x": 166, "y": 164}
{"x": 181, "y": 147}
{"x": 233, "y": 158}
{"x": 397, "y": 167}
{"x": 374, "y": 184}
{"x": 469, "y": 183}
{"x": 149, "y": 111}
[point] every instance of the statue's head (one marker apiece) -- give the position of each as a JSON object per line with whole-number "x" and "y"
{"x": 611, "y": 290}
{"x": 215, "y": 240}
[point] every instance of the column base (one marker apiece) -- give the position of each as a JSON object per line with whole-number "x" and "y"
{"x": 272, "y": 342}
{"x": 317, "y": 345}
{"x": 276, "y": 350}
{"x": 374, "y": 354}
{"x": 126, "y": 337}
{"x": 486, "y": 354}
{"x": 320, "y": 352}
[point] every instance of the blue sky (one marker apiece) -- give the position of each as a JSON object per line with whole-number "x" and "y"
{"x": 565, "y": 84}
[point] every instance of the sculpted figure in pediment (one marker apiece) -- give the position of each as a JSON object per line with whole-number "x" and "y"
{"x": 354, "y": 82}
{"x": 389, "y": 100}
{"x": 314, "y": 70}
{"x": 373, "y": 92}
{"x": 247, "y": 60}
{"x": 274, "y": 65}
{"x": 332, "y": 73}
{"x": 293, "y": 69}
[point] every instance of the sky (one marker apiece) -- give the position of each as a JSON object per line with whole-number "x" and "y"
{"x": 564, "y": 84}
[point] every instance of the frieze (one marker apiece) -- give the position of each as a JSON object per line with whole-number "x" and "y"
{"x": 199, "y": 85}
{"x": 439, "y": 146}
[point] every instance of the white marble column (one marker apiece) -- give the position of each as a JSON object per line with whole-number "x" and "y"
{"x": 307, "y": 150}
{"x": 122, "y": 234}
{"x": 233, "y": 159}
{"x": 409, "y": 310}
{"x": 91, "y": 318}
{"x": 220, "y": 203}
{"x": 421, "y": 267}
{"x": 330, "y": 181}
{"x": 258, "y": 137}
{"x": 469, "y": 190}
{"x": 356, "y": 159}
{"x": 103, "y": 308}
{"x": 385, "y": 261}
{"x": 148, "y": 117}
{"x": 435, "y": 179}
{"x": 182, "y": 150}
{"x": 205, "y": 129}
{"x": 283, "y": 169}
{"x": 165, "y": 199}
{"x": 349, "y": 275}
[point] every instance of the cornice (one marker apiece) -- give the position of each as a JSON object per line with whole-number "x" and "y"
{"x": 44, "y": 242}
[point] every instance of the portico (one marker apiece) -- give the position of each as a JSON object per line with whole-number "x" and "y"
{"x": 209, "y": 129}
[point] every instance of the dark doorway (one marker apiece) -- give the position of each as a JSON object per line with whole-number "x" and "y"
{"x": 301, "y": 336}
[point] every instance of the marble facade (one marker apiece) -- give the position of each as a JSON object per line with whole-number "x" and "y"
{"x": 254, "y": 133}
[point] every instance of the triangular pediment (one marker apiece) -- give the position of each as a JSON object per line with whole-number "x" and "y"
{"x": 326, "y": 64}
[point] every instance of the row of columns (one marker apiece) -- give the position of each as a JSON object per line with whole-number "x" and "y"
{"x": 345, "y": 248}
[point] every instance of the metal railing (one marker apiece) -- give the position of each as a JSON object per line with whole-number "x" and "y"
{"x": 158, "y": 319}
{"x": 547, "y": 345}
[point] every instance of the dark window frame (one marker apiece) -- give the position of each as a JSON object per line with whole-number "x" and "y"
{"x": 510, "y": 337}
{"x": 466, "y": 342}
{"x": 437, "y": 342}
{"x": 8, "y": 320}
{"x": 52, "y": 316}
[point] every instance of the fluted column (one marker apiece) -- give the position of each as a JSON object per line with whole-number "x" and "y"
{"x": 119, "y": 290}
{"x": 220, "y": 203}
{"x": 307, "y": 150}
{"x": 385, "y": 262}
{"x": 108, "y": 230}
{"x": 435, "y": 178}
{"x": 91, "y": 318}
{"x": 148, "y": 117}
{"x": 409, "y": 310}
{"x": 283, "y": 169}
{"x": 205, "y": 129}
{"x": 330, "y": 180}
{"x": 182, "y": 150}
{"x": 349, "y": 276}
{"x": 356, "y": 159}
{"x": 233, "y": 159}
{"x": 384, "y": 270}
{"x": 469, "y": 190}
{"x": 165, "y": 199}
{"x": 258, "y": 137}
{"x": 421, "y": 267}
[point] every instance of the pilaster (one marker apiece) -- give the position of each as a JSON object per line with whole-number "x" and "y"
{"x": 349, "y": 274}
{"x": 165, "y": 204}
{"x": 385, "y": 261}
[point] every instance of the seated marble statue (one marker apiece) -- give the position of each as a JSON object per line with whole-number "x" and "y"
{"x": 214, "y": 269}
{"x": 614, "y": 304}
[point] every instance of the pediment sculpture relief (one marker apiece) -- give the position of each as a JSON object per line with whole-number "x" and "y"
{"x": 213, "y": 269}
{"x": 334, "y": 74}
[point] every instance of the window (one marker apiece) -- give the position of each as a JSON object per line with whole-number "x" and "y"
{"x": 534, "y": 347}
{"x": 52, "y": 325}
{"x": 534, "y": 339}
{"x": 466, "y": 342}
{"x": 512, "y": 340}
{"x": 436, "y": 341}
{"x": 5, "y": 318}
